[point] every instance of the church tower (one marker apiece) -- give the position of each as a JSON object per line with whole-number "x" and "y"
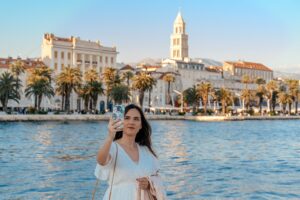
{"x": 179, "y": 40}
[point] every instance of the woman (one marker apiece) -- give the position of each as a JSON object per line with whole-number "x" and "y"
{"x": 127, "y": 160}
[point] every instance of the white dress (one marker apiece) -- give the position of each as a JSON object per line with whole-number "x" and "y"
{"x": 127, "y": 171}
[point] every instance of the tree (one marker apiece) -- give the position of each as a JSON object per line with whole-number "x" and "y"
{"x": 39, "y": 85}
{"x": 246, "y": 96}
{"x": 111, "y": 78}
{"x": 246, "y": 80}
{"x": 260, "y": 94}
{"x": 8, "y": 91}
{"x": 204, "y": 90}
{"x": 260, "y": 81}
{"x": 285, "y": 99}
{"x": 17, "y": 68}
{"x": 67, "y": 81}
{"x": 93, "y": 86}
{"x": 127, "y": 76}
{"x": 272, "y": 88}
{"x": 294, "y": 92}
{"x": 120, "y": 93}
{"x": 225, "y": 97}
{"x": 169, "y": 78}
{"x": 143, "y": 82}
{"x": 191, "y": 97}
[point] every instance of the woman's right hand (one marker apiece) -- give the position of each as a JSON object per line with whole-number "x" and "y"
{"x": 113, "y": 127}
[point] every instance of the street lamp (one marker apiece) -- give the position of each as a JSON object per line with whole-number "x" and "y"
{"x": 180, "y": 93}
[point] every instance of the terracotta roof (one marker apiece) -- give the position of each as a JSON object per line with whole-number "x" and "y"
{"x": 216, "y": 69}
{"x": 250, "y": 65}
{"x": 28, "y": 63}
{"x": 48, "y": 36}
{"x": 127, "y": 67}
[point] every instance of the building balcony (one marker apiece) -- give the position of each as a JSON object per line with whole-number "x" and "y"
{"x": 79, "y": 62}
{"x": 87, "y": 62}
{"x": 95, "y": 62}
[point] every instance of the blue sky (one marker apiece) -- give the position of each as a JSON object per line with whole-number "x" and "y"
{"x": 266, "y": 31}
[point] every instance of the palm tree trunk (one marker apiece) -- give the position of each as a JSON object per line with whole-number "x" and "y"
{"x": 95, "y": 99}
{"x": 67, "y": 102}
{"x": 62, "y": 102}
{"x": 169, "y": 95}
{"x": 35, "y": 101}
{"x": 260, "y": 106}
{"x": 141, "y": 98}
{"x": 205, "y": 105}
{"x": 149, "y": 102}
{"x": 223, "y": 107}
{"x": 39, "y": 101}
{"x": 296, "y": 107}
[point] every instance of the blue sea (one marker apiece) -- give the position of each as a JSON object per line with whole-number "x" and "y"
{"x": 200, "y": 160}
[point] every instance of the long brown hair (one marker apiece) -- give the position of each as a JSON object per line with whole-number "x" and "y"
{"x": 143, "y": 137}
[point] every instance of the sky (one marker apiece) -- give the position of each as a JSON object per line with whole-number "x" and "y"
{"x": 264, "y": 31}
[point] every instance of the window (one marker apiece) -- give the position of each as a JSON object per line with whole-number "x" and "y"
{"x": 55, "y": 66}
{"x": 106, "y": 59}
{"x": 62, "y": 66}
{"x": 100, "y": 70}
{"x": 100, "y": 59}
{"x": 55, "y": 54}
{"x": 69, "y": 65}
{"x": 62, "y": 55}
{"x": 69, "y": 56}
{"x": 112, "y": 60}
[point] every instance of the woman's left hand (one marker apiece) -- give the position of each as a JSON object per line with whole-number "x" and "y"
{"x": 143, "y": 183}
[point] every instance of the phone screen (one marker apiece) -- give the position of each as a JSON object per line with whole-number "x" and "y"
{"x": 118, "y": 112}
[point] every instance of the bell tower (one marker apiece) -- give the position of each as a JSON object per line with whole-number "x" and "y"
{"x": 179, "y": 40}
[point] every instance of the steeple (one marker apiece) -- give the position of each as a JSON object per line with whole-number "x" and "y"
{"x": 179, "y": 40}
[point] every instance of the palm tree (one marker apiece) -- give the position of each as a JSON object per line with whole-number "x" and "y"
{"x": 127, "y": 76}
{"x": 204, "y": 90}
{"x": 260, "y": 94}
{"x": 246, "y": 80}
{"x": 143, "y": 82}
{"x": 17, "y": 68}
{"x": 39, "y": 85}
{"x": 260, "y": 81}
{"x": 169, "y": 78}
{"x": 272, "y": 88}
{"x": 225, "y": 97}
{"x": 111, "y": 78}
{"x": 294, "y": 92}
{"x": 120, "y": 93}
{"x": 67, "y": 81}
{"x": 246, "y": 96}
{"x": 84, "y": 92}
{"x": 191, "y": 97}
{"x": 8, "y": 91}
{"x": 95, "y": 87}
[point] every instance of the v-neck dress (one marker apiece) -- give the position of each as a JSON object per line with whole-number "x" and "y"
{"x": 127, "y": 171}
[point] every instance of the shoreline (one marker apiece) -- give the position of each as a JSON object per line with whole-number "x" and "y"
{"x": 32, "y": 118}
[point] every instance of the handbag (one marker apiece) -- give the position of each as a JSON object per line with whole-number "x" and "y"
{"x": 112, "y": 181}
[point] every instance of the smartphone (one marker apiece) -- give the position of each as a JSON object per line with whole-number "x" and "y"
{"x": 118, "y": 112}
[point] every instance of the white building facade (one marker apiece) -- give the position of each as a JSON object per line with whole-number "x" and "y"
{"x": 58, "y": 53}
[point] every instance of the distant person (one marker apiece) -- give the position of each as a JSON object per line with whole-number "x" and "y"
{"x": 127, "y": 160}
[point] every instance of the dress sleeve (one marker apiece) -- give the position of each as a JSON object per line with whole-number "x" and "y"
{"x": 102, "y": 171}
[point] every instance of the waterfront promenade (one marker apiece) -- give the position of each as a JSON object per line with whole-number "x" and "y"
{"x": 14, "y": 118}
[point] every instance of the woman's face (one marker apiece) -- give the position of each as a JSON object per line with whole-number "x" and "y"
{"x": 132, "y": 122}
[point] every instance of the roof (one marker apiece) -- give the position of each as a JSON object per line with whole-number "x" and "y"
{"x": 249, "y": 65}
{"x": 179, "y": 18}
{"x": 127, "y": 67}
{"x": 216, "y": 69}
{"x": 28, "y": 63}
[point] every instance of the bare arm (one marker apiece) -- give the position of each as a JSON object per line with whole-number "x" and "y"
{"x": 103, "y": 155}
